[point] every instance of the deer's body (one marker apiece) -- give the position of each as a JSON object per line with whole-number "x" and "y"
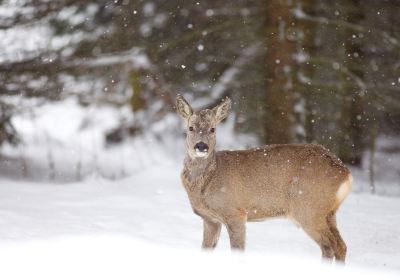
{"x": 296, "y": 181}
{"x": 304, "y": 183}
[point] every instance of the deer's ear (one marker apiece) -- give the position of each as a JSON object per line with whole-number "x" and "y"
{"x": 183, "y": 108}
{"x": 221, "y": 111}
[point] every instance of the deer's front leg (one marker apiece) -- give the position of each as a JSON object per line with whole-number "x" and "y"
{"x": 211, "y": 233}
{"x": 237, "y": 233}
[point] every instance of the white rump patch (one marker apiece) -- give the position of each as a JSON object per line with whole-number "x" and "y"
{"x": 344, "y": 189}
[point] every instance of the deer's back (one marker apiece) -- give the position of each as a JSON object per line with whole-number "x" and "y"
{"x": 275, "y": 180}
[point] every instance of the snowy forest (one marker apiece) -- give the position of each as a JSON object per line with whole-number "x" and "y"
{"x": 91, "y": 147}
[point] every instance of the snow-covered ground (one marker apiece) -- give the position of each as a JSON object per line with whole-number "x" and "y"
{"x": 129, "y": 216}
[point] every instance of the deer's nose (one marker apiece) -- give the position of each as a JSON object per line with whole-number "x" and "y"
{"x": 201, "y": 147}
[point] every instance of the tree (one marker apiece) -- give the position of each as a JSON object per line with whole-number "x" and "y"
{"x": 352, "y": 145}
{"x": 280, "y": 71}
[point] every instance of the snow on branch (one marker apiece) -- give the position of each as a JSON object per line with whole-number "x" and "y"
{"x": 135, "y": 58}
{"x": 360, "y": 83}
{"x": 18, "y": 13}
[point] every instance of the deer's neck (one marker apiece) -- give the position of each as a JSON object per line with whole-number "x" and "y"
{"x": 198, "y": 172}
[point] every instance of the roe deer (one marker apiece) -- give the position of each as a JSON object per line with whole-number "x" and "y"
{"x": 302, "y": 182}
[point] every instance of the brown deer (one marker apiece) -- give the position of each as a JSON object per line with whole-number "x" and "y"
{"x": 302, "y": 182}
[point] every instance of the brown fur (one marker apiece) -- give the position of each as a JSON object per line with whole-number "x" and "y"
{"x": 297, "y": 181}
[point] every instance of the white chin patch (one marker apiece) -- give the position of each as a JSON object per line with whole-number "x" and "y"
{"x": 201, "y": 154}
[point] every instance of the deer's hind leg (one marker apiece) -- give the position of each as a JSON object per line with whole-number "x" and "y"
{"x": 319, "y": 230}
{"x": 341, "y": 248}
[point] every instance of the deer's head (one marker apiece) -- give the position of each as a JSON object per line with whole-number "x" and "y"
{"x": 201, "y": 126}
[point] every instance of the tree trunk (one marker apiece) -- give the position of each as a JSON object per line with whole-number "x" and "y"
{"x": 280, "y": 71}
{"x": 351, "y": 146}
{"x": 307, "y": 47}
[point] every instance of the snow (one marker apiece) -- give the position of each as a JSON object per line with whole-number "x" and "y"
{"x": 124, "y": 258}
{"x": 18, "y": 44}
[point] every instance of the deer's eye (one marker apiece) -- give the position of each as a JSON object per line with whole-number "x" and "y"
{"x": 191, "y": 128}
{"x": 212, "y": 130}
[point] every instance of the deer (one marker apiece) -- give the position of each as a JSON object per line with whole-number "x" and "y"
{"x": 304, "y": 183}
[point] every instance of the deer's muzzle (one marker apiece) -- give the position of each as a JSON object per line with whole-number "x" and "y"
{"x": 201, "y": 149}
